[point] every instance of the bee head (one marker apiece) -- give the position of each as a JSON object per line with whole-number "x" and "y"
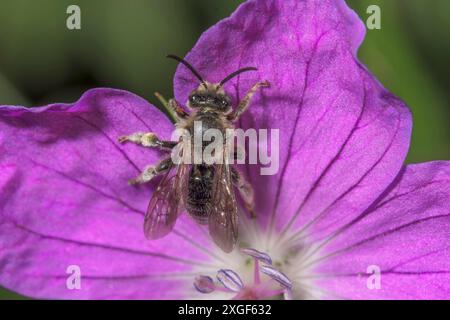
{"x": 207, "y": 95}
{"x": 210, "y": 96}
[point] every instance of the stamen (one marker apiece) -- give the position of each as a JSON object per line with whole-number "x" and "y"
{"x": 256, "y": 277}
{"x": 261, "y": 256}
{"x": 258, "y": 256}
{"x": 232, "y": 283}
{"x": 230, "y": 280}
{"x": 278, "y": 276}
{"x": 204, "y": 284}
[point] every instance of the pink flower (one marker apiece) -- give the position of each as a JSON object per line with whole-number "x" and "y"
{"x": 342, "y": 205}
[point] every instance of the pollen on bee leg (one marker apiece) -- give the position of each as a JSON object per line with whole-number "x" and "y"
{"x": 148, "y": 174}
{"x": 145, "y": 139}
{"x": 152, "y": 171}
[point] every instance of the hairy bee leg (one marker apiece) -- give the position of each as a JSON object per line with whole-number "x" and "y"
{"x": 245, "y": 190}
{"x": 148, "y": 139}
{"x": 244, "y": 103}
{"x": 179, "y": 111}
{"x": 152, "y": 171}
{"x": 172, "y": 106}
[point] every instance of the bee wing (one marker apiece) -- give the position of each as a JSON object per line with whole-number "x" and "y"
{"x": 223, "y": 224}
{"x": 165, "y": 204}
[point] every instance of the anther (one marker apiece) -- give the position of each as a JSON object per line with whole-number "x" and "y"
{"x": 230, "y": 280}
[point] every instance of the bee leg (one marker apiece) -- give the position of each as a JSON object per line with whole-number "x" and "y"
{"x": 152, "y": 171}
{"x": 179, "y": 111}
{"x": 148, "y": 139}
{"x": 173, "y": 107}
{"x": 245, "y": 190}
{"x": 243, "y": 105}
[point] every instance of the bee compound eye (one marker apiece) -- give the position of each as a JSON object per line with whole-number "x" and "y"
{"x": 224, "y": 103}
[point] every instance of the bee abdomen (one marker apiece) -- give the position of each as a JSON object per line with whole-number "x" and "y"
{"x": 199, "y": 194}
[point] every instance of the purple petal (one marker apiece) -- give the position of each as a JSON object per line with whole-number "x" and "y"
{"x": 230, "y": 280}
{"x": 343, "y": 137}
{"x": 64, "y": 200}
{"x": 406, "y": 234}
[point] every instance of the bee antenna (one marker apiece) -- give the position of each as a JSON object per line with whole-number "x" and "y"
{"x": 199, "y": 77}
{"x": 234, "y": 74}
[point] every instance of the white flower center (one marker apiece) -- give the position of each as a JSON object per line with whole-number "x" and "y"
{"x": 264, "y": 266}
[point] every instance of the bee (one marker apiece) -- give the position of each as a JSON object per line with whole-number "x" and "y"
{"x": 204, "y": 190}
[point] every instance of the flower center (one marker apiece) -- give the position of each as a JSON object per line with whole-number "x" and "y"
{"x": 277, "y": 284}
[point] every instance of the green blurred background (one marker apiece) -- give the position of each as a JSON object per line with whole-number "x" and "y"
{"x": 122, "y": 44}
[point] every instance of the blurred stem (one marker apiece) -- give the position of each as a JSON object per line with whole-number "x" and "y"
{"x": 165, "y": 108}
